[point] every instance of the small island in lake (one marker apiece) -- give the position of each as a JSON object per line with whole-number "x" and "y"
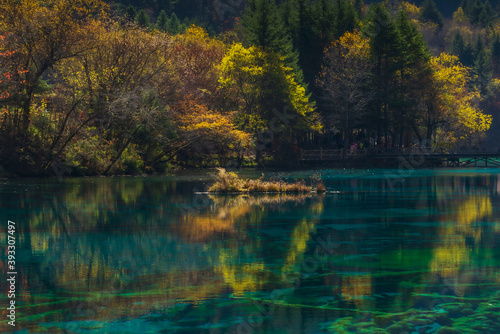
{"x": 229, "y": 182}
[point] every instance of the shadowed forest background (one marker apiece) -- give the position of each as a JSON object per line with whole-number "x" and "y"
{"x": 128, "y": 87}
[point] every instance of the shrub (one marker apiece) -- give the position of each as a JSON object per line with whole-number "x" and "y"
{"x": 320, "y": 188}
{"x": 230, "y": 182}
{"x": 226, "y": 182}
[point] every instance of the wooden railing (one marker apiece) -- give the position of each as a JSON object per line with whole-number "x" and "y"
{"x": 338, "y": 154}
{"x": 330, "y": 154}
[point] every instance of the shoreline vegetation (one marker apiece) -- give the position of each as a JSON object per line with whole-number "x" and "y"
{"x": 99, "y": 87}
{"x": 229, "y": 182}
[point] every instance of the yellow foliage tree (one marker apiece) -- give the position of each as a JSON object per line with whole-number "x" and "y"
{"x": 193, "y": 62}
{"x": 258, "y": 85}
{"x": 455, "y": 104}
{"x": 343, "y": 80}
{"x": 45, "y": 32}
{"x": 204, "y": 131}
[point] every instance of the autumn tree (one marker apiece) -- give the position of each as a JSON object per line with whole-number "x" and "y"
{"x": 193, "y": 66}
{"x": 205, "y": 133}
{"x": 9, "y": 77}
{"x": 453, "y": 116}
{"x": 343, "y": 80}
{"x": 263, "y": 91}
{"x": 45, "y": 32}
{"x": 192, "y": 88}
{"x": 112, "y": 93}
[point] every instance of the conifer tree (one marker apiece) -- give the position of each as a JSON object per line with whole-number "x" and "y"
{"x": 430, "y": 12}
{"x": 264, "y": 27}
{"x": 162, "y": 22}
{"x": 457, "y": 45}
{"x": 175, "y": 25}
{"x": 467, "y": 57}
{"x": 475, "y": 12}
{"x": 358, "y": 7}
{"x": 482, "y": 68}
{"x": 142, "y": 19}
{"x": 463, "y": 51}
{"x": 495, "y": 54}
{"x": 305, "y": 41}
{"x": 345, "y": 17}
{"x": 385, "y": 46}
{"x": 325, "y": 22}
{"x": 487, "y": 14}
{"x": 414, "y": 68}
{"x": 288, "y": 13}
{"x": 467, "y": 7}
{"x": 130, "y": 13}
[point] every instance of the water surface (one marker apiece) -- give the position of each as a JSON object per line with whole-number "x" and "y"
{"x": 392, "y": 252}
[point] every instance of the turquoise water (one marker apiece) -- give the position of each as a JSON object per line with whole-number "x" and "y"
{"x": 384, "y": 251}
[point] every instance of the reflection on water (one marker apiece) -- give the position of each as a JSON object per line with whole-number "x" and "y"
{"x": 148, "y": 255}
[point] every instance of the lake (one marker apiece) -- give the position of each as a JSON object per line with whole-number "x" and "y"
{"x": 384, "y": 251}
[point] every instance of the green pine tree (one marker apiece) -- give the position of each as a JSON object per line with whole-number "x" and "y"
{"x": 467, "y": 6}
{"x": 495, "y": 54}
{"x": 476, "y": 12}
{"x": 467, "y": 57}
{"x": 175, "y": 25}
{"x": 345, "y": 17}
{"x": 413, "y": 69}
{"x": 457, "y": 45}
{"x": 385, "y": 47}
{"x": 358, "y": 6}
{"x": 465, "y": 52}
{"x": 310, "y": 51}
{"x": 130, "y": 13}
{"x": 324, "y": 15}
{"x": 289, "y": 13}
{"x": 430, "y": 12}
{"x": 479, "y": 48}
{"x": 264, "y": 27}
{"x": 142, "y": 19}
{"x": 413, "y": 47}
{"x": 487, "y": 14}
{"x": 482, "y": 69}
{"x": 162, "y": 22}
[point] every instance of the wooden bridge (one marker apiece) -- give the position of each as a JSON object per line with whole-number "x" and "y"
{"x": 433, "y": 156}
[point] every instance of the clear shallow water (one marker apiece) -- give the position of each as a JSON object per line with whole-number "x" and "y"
{"x": 393, "y": 252}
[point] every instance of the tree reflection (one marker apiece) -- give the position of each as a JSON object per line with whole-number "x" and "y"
{"x": 110, "y": 246}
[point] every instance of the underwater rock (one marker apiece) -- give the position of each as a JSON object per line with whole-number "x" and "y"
{"x": 448, "y": 330}
{"x": 492, "y": 306}
{"x": 420, "y": 320}
{"x": 369, "y": 324}
{"x": 385, "y": 320}
{"x": 397, "y": 329}
{"x": 444, "y": 320}
{"x": 455, "y": 310}
{"x": 467, "y": 311}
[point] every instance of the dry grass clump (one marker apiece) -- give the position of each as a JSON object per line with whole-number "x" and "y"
{"x": 228, "y": 182}
{"x": 320, "y": 188}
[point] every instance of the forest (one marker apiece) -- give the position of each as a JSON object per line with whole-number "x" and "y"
{"x": 92, "y": 87}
